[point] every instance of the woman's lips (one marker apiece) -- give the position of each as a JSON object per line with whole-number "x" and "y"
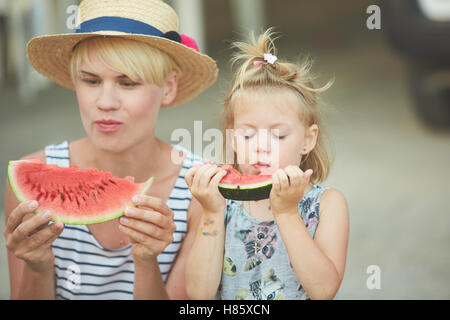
{"x": 108, "y": 125}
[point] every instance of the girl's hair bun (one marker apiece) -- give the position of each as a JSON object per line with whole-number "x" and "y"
{"x": 256, "y": 69}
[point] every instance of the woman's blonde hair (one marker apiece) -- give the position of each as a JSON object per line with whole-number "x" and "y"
{"x": 137, "y": 60}
{"x": 279, "y": 75}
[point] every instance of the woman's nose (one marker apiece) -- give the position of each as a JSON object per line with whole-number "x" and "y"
{"x": 107, "y": 100}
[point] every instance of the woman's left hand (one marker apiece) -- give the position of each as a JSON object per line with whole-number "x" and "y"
{"x": 149, "y": 226}
{"x": 288, "y": 189}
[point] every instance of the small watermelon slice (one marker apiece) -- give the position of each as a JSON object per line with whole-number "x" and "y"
{"x": 244, "y": 187}
{"x": 73, "y": 195}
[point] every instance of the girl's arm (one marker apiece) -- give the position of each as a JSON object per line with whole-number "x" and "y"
{"x": 319, "y": 263}
{"x": 176, "y": 282}
{"x": 204, "y": 263}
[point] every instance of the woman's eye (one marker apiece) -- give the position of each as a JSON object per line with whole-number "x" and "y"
{"x": 129, "y": 84}
{"x": 91, "y": 81}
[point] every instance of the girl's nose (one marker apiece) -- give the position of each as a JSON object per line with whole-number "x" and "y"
{"x": 263, "y": 143}
{"x": 107, "y": 101}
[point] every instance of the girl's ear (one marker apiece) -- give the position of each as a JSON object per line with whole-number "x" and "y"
{"x": 311, "y": 135}
{"x": 170, "y": 88}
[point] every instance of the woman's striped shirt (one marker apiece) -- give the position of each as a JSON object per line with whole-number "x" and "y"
{"x": 86, "y": 270}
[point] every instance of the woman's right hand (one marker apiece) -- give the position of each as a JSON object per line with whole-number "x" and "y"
{"x": 29, "y": 237}
{"x": 203, "y": 182}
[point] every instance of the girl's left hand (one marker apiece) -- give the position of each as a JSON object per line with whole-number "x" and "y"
{"x": 288, "y": 189}
{"x": 149, "y": 227}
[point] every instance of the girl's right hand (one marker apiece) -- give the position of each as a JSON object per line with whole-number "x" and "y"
{"x": 29, "y": 237}
{"x": 203, "y": 182}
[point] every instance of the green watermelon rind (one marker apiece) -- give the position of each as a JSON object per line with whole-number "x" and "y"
{"x": 104, "y": 217}
{"x": 248, "y": 192}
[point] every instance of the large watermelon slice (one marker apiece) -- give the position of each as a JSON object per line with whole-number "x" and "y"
{"x": 73, "y": 195}
{"x": 245, "y": 187}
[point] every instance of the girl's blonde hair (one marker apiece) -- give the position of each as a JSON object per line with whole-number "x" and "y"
{"x": 279, "y": 75}
{"x": 137, "y": 60}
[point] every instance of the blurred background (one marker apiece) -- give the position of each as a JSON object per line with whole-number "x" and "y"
{"x": 388, "y": 116}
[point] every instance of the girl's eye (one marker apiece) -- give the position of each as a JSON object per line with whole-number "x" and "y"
{"x": 271, "y": 296}
{"x": 248, "y": 135}
{"x": 279, "y": 136}
{"x": 260, "y": 235}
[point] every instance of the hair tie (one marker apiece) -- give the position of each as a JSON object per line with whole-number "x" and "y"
{"x": 268, "y": 58}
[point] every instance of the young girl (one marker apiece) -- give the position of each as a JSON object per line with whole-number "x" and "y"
{"x": 125, "y": 63}
{"x": 274, "y": 248}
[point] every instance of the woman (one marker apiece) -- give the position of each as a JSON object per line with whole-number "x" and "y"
{"x": 125, "y": 62}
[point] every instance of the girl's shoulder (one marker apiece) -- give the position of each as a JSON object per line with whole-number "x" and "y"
{"x": 318, "y": 199}
{"x": 324, "y": 195}
{"x": 332, "y": 196}
{"x": 333, "y": 199}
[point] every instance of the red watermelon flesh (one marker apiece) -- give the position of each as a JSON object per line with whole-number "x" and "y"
{"x": 73, "y": 195}
{"x": 245, "y": 187}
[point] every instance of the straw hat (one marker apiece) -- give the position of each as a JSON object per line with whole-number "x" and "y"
{"x": 150, "y": 21}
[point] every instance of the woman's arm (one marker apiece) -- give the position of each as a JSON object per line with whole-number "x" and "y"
{"x": 319, "y": 263}
{"x": 149, "y": 226}
{"x": 34, "y": 280}
{"x": 148, "y": 283}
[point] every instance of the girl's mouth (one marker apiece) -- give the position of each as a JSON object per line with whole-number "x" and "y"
{"x": 108, "y": 125}
{"x": 261, "y": 167}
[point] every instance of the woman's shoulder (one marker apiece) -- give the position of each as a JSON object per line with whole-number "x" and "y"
{"x": 48, "y": 150}
{"x": 41, "y": 154}
{"x": 35, "y": 155}
{"x": 190, "y": 158}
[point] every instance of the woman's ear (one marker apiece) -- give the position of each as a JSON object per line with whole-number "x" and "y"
{"x": 311, "y": 135}
{"x": 170, "y": 88}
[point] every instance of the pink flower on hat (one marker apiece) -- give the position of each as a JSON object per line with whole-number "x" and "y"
{"x": 189, "y": 42}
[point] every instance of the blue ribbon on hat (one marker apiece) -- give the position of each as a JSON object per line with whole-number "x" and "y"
{"x": 123, "y": 25}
